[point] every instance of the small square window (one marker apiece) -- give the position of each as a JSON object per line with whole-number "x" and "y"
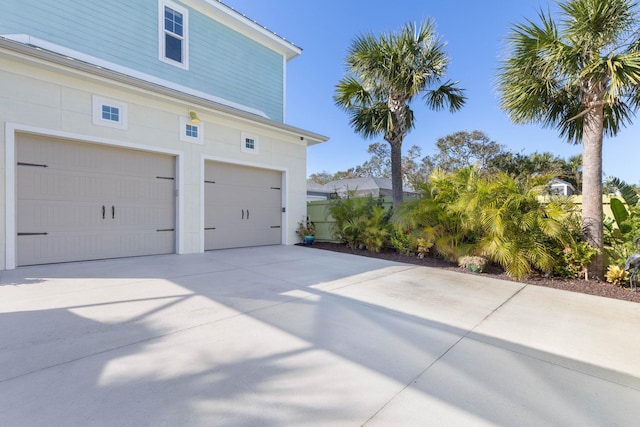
{"x": 109, "y": 112}
{"x": 250, "y": 143}
{"x": 190, "y": 131}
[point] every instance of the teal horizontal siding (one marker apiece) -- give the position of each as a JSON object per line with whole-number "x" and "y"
{"x": 222, "y": 62}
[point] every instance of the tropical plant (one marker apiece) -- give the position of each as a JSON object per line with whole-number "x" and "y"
{"x": 306, "y": 228}
{"x": 616, "y": 275}
{"x": 402, "y": 241}
{"x": 384, "y": 75}
{"x": 507, "y": 221}
{"x": 580, "y": 75}
{"x": 620, "y": 232}
{"x": 429, "y": 219}
{"x": 574, "y": 259}
{"x": 476, "y": 264}
{"x": 360, "y": 222}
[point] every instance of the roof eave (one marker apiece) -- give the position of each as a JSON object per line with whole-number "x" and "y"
{"x": 310, "y": 138}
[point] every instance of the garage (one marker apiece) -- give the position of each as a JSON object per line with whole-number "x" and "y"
{"x": 243, "y": 206}
{"x": 80, "y": 201}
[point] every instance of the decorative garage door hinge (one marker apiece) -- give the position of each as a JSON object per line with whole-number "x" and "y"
{"x": 209, "y": 182}
{"x": 32, "y": 164}
{"x": 166, "y": 229}
{"x": 210, "y": 228}
{"x": 275, "y": 188}
{"x": 33, "y": 234}
{"x": 275, "y": 226}
{"x": 165, "y": 177}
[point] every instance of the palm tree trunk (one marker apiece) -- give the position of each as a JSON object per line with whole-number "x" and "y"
{"x": 398, "y": 107}
{"x": 396, "y": 172}
{"x": 592, "y": 215}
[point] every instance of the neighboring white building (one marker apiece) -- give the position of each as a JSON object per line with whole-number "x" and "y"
{"x": 559, "y": 187}
{"x": 159, "y": 130}
{"x": 368, "y": 186}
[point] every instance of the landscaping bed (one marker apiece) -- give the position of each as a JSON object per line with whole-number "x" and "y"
{"x": 591, "y": 287}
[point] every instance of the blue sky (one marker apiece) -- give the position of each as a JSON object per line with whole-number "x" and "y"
{"x": 475, "y": 33}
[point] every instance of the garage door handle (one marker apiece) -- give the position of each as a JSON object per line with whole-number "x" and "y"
{"x": 113, "y": 212}
{"x": 242, "y": 213}
{"x": 247, "y": 213}
{"x": 103, "y": 211}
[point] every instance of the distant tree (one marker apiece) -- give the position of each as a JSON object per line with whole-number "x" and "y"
{"x": 579, "y": 74}
{"x": 521, "y": 166}
{"x": 464, "y": 149}
{"x": 379, "y": 164}
{"x": 320, "y": 178}
{"x": 384, "y": 75}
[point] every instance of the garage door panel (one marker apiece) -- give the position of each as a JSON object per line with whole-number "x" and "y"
{"x": 92, "y": 202}
{"x": 81, "y": 246}
{"x": 57, "y": 215}
{"x": 243, "y": 206}
{"x": 90, "y": 158}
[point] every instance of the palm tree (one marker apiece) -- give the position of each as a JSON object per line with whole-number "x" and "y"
{"x": 384, "y": 75}
{"x": 579, "y": 75}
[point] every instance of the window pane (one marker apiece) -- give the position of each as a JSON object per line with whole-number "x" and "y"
{"x": 173, "y": 21}
{"x": 192, "y": 131}
{"x": 173, "y": 48}
{"x": 110, "y": 113}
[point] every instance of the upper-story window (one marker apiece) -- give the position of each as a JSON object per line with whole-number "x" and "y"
{"x": 174, "y": 31}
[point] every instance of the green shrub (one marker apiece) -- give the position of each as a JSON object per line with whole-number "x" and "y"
{"x": 495, "y": 216}
{"x": 360, "y": 222}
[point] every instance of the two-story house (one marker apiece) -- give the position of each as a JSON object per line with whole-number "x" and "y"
{"x": 143, "y": 127}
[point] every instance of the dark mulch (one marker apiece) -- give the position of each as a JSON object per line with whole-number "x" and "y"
{"x": 591, "y": 287}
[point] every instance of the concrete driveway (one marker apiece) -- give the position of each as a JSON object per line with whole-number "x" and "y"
{"x": 278, "y": 336}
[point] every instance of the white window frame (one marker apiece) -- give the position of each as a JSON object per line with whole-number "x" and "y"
{"x": 99, "y": 101}
{"x": 184, "y": 121}
{"x": 243, "y": 143}
{"x": 185, "y": 34}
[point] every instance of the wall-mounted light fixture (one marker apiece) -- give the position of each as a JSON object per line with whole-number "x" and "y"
{"x": 194, "y": 117}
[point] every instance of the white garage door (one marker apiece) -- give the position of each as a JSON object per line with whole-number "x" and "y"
{"x": 243, "y": 206}
{"x": 80, "y": 201}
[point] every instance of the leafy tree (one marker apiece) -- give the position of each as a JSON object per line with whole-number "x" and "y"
{"x": 384, "y": 75}
{"x": 520, "y": 166}
{"x": 320, "y": 178}
{"x": 579, "y": 75}
{"x": 379, "y": 165}
{"x": 464, "y": 149}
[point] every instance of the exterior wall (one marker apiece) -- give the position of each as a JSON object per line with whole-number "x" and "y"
{"x": 38, "y": 97}
{"x": 222, "y": 62}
